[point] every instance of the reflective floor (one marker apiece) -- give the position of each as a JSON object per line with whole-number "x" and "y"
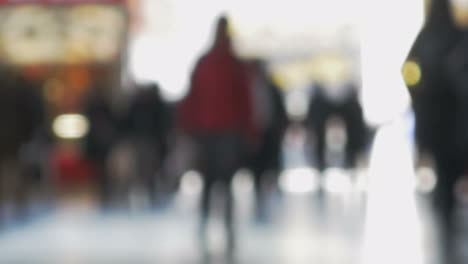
{"x": 369, "y": 216}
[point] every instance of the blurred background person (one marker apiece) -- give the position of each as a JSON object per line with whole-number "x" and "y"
{"x": 334, "y": 105}
{"x": 271, "y": 121}
{"x": 101, "y": 138}
{"x": 217, "y": 114}
{"x": 21, "y": 116}
{"x": 230, "y": 117}
{"x": 433, "y": 73}
{"x": 147, "y": 125}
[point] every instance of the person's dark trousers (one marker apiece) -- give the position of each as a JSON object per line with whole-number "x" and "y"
{"x": 14, "y": 184}
{"x": 148, "y": 165}
{"x": 105, "y": 190}
{"x": 220, "y": 156}
{"x": 319, "y": 111}
{"x": 449, "y": 171}
{"x": 264, "y": 164}
{"x": 228, "y": 213}
{"x": 351, "y": 113}
{"x": 356, "y": 131}
{"x": 2, "y": 193}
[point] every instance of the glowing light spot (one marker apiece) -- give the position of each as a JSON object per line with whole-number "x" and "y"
{"x": 459, "y": 10}
{"x": 242, "y": 182}
{"x": 426, "y": 180}
{"x": 362, "y": 180}
{"x": 411, "y": 73}
{"x": 331, "y": 68}
{"x": 299, "y": 181}
{"x": 337, "y": 181}
{"x": 191, "y": 183}
{"x": 70, "y": 126}
{"x": 296, "y": 104}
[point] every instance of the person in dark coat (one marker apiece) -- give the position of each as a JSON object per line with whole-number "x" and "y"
{"x": 148, "y": 124}
{"x": 271, "y": 122}
{"x": 21, "y": 117}
{"x": 439, "y": 105}
{"x": 341, "y": 100}
{"x": 100, "y": 139}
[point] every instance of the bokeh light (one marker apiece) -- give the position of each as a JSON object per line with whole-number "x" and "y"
{"x": 70, "y": 126}
{"x": 411, "y": 73}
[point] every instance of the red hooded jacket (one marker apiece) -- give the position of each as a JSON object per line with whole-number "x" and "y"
{"x": 219, "y": 98}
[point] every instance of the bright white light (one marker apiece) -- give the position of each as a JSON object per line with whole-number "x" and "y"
{"x": 296, "y": 104}
{"x": 299, "y": 180}
{"x": 316, "y": 23}
{"x": 191, "y": 183}
{"x": 177, "y": 32}
{"x": 164, "y": 60}
{"x": 337, "y": 181}
{"x": 391, "y": 206}
{"x": 362, "y": 180}
{"x": 460, "y": 3}
{"x": 384, "y": 92}
{"x": 242, "y": 182}
{"x": 426, "y": 180}
{"x": 70, "y": 126}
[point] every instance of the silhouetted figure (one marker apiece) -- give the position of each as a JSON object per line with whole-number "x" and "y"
{"x": 147, "y": 125}
{"x": 439, "y": 106}
{"x": 21, "y": 117}
{"x": 100, "y": 139}
{"x": 340, "y": 100}
{"x": 217, "y": 114}
{"x": 271, "y": 122}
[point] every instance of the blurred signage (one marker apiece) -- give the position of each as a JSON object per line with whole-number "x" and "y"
{"x": 460, "y": 12}
{"x": 82, "y": 31}
{"x": 48, "y": 2}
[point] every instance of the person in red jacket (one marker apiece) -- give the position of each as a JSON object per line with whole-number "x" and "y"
{"x": 217, "y": 115}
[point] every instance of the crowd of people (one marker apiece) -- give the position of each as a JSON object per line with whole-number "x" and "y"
{"x": 234, "y": 115}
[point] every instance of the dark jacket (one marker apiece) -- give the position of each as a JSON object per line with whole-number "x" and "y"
{"x": 21, "y": 113}
{"x": 433, "y": 98}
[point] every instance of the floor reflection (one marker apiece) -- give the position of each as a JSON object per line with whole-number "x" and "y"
{"x": 365, "y": 216}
